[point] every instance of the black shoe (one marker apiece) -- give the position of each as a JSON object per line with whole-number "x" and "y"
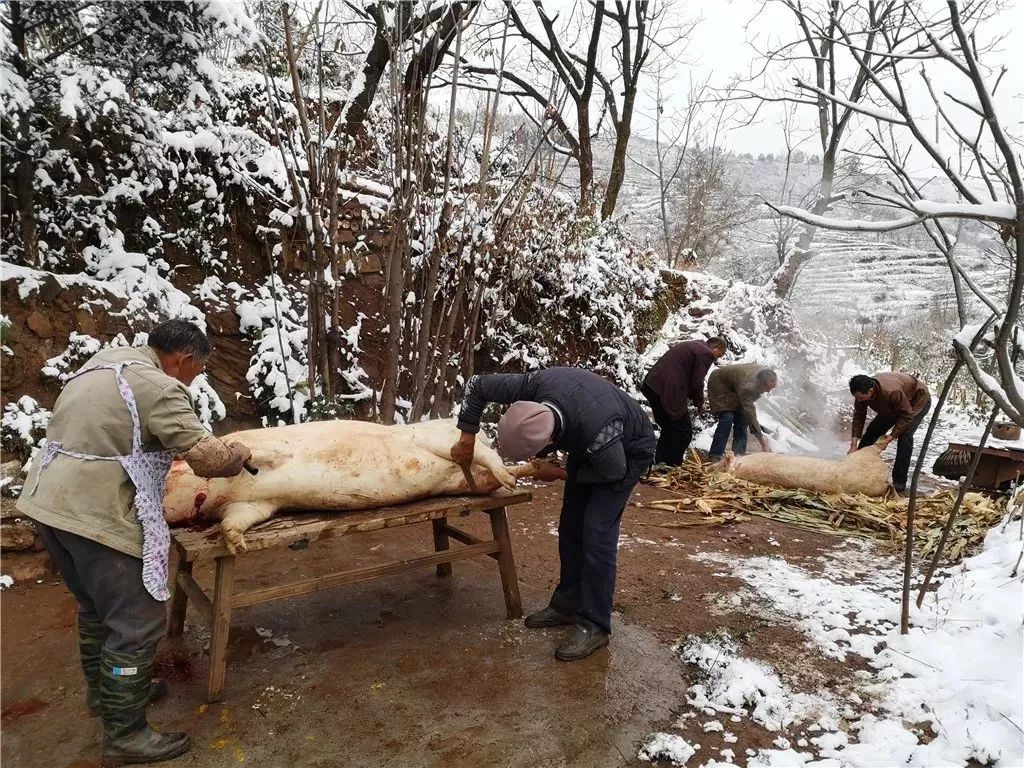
{"x": 126, "y": 687}
{"x": 586, "y": 639}
{"x": 900, "y": 487}
{"x": 548, "y": 617}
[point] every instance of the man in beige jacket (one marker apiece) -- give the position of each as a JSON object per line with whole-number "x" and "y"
{"x": 733, "y": 391}
{"x": 95, "y": 493}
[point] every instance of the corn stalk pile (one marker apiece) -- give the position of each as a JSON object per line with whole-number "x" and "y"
{"x": 721, "y": 498}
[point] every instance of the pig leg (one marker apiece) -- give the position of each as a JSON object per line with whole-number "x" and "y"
{"x": 484, "y": 456}
{"x": 240, "y": 516}
{"x": 489, "y": 459}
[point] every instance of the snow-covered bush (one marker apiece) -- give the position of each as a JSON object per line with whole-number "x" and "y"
{"x": 87, "y": 159}
{"x": 5, "y": 329}
{"x": 209, "y": 407}
{"x": 23, "y": 427}
{"x": 80, "y": 348}
{"x": 274, "y": 318}
{"x": 572, "y": 292}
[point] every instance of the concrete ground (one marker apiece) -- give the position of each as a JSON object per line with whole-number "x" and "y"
{"x": 413, "y": 670}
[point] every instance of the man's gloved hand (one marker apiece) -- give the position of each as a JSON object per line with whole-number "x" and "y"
{"x": 854, "y": 446}
{"x": 883, "y": 441}
{"x": 766, "y": 446}
{"x": 239, "y": 455}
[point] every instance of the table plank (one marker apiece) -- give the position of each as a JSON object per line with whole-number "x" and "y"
{"x": 292, "y": 528}
{"x": 320, "y": 583}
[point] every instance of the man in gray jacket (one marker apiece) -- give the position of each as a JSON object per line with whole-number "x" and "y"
{"x": 733, "y": 391}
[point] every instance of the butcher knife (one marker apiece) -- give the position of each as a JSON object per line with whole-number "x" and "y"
{"x": 468, "y": 472}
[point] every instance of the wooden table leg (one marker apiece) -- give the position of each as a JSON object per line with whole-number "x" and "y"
{"x": 179, "y": 597}
{"x": 222, "y": 593}
{"x": 441, "y": 544}
{"x": 506, "y": 563}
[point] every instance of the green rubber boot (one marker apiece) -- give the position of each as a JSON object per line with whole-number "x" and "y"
{"x": 125, "y": 690}
{"x": 91, "y": 636}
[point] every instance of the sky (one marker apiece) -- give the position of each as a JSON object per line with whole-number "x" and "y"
{"x": 720, "y": 49}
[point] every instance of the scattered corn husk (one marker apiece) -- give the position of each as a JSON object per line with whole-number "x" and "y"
{"x": 722, "y": 498}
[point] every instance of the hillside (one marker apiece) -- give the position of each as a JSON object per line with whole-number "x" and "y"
{"x": 875, "y": 277}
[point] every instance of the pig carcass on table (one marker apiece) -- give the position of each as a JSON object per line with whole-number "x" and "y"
{"x": 332, "y": 465}
{"x": 862, "y": 471}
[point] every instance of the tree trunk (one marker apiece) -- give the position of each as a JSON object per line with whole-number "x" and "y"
{"x": 785, "y": 276}
{"x": 24, "y": 179}
{"x": 586, "y": 159}
{"x": 618, "y": 172}
{"x": 393, "y": 308}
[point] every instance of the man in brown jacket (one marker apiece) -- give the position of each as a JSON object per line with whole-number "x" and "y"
{"x": 674, "y": 381}
{"x": 128, "y": 407}
{"x": 732, "y": 392}
{"x": 901, "y": 402}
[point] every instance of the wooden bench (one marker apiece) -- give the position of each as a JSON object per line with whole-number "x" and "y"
{"x": 298, "y": 530}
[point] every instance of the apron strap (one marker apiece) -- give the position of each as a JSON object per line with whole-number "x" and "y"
{"x": 126, "y": 394}
{"x": 129, "y": 400}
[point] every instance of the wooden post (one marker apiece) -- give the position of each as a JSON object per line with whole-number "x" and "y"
{"x": 441, "y": 544}
{"x": 908, "y": 548}
{"x": 179, "y": 597}
{"x": 506, "y": 563}
{"x": 224, "y": 585}
{"x": 964, "y": 485}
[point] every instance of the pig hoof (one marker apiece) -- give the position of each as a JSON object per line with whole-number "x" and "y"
{"x": 235, "y": 541}
{"x": 506, "y": 478}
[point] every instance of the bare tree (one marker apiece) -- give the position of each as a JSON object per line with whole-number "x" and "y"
{"x": 841, "y": 85}
{"x": 315, "y": 149}
{"x": 673, "y": 137}
{"x": 994, "y": 165}
{"x": 989, "y": 188}
{"x": 567, "y": 55}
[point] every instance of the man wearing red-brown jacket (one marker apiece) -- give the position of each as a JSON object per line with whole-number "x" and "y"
{"x": 901, "y": 402}
{"x": 674, "y": 381}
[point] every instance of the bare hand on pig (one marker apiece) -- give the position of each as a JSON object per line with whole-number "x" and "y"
{"x": 546, "y": 471}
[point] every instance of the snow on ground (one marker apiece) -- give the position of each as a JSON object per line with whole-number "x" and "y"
{"x": 946, "y": 694}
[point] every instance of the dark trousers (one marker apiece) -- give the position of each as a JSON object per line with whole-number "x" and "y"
{"x": 729, "y": 421}
{"x": 675, "y": 434}
{"x": 108, "y": 587}
{"x": 904, "y": 445}
{"x": 588, "y": 540}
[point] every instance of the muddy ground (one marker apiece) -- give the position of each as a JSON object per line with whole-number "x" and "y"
{"x": 419, "y": 671}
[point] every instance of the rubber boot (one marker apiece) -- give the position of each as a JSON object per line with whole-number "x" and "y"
{"x": 125, "y": 689}
{"x": 91, "y": 636}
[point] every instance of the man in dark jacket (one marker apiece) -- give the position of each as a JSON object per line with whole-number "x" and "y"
{"x": 610, "y": 445}
{"x": 674, "y": 381}
{"x": 901, "y": 402}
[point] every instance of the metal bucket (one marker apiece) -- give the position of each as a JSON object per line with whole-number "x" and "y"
{"x": 1006, "y": 430}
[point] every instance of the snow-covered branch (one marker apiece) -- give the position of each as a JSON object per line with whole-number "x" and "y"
{"x": 920, "y": 210}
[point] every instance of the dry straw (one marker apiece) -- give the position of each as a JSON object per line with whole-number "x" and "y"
{"x": 720, "y": 498}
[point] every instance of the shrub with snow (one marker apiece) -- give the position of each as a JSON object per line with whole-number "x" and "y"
{"x": 23, "y": 427}
{"x": 572, "y": 292}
